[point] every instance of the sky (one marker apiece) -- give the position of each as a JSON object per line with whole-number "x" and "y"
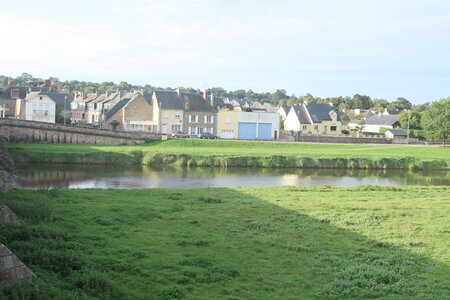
{"x": 381, "y": 48}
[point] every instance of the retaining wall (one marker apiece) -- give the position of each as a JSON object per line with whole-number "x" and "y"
{"x": 30, "y": 131}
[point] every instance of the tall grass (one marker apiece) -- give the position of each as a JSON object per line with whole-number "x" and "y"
{"x": 261, "y": 243}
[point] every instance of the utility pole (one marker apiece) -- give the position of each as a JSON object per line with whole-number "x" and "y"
{"x": 407, "y": 133}
{"x": 64, "y": 113}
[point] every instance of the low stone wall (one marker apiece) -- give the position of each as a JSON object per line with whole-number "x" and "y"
{"x": 29, "y": 131}
{"x": 342, "y": 140}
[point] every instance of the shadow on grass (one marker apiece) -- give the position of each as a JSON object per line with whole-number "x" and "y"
{"x": 204, "y": 243}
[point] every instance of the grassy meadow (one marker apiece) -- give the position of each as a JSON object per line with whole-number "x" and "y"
{"x": 241, "y": 243}
{"x": 220, "y": 153}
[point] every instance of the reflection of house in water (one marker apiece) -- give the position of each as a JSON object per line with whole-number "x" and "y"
{"x": 46, "y": 179}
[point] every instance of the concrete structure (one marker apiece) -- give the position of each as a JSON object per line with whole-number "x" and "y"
{"x": 314, "y": 118}
{"x": 248, "y": 125}
{"x": 134, "y": 114}
{"x": 27, "y": 131}
{"x": 398, "y": 136}
{"x": 376, "y": 122}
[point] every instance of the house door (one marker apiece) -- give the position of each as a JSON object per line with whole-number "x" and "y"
{"x": 164, "y": 128}
{"x": 275, "y": 135}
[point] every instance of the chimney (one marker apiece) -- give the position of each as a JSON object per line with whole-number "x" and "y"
{"x": 178, "y": 92}
{"x": 186, "y": 106}
{"x": 211, "y": 99}
{"x": 97, "y": 93}
{"x": 205, "y": 95}
{"x": 47, "y": 83}
{"x": 107, "y": 94}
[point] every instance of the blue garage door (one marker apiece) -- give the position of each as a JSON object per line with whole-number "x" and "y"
{"x": 247, "y": 131}
{"x": 264, "y": 131}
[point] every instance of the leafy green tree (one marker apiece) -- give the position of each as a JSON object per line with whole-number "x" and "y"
{"x": 400, "y": 104}
{"x": 279, "y": 95}
{"x": 414, "y": 120}
{"x": 379, "y": 105}
{"x": 436, "y": 121}
{"x": 361, "y": 101}
{"x": 421, "y": 107}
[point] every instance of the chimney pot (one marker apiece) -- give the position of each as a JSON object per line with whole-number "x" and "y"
{"x": 205, "y": 95}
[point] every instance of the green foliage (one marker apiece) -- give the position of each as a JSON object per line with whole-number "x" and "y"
{"x": 222, "y": 153}
{"x": 399, "y": 104}
{"x": 436, "y": 120}
{"x": 414, "y": 120}
{"x": 259, "y": 243}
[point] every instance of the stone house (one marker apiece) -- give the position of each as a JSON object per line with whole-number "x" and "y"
{"x": 187, "y": 112}
{"x": 131, "y": 114}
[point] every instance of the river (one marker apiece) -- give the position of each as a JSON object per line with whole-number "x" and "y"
{"x": 134, "y": 177}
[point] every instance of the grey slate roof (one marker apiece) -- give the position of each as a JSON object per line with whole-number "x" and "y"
{"x": 59, "y": 99}
{"x": 116, "y": 108}
{"x": 321, "y": 112}
{"x": 172, "y": 100}
{"x": 301, "y": 114}
{"x": 381, "y": 120}
{"x": 148, "y": 97}
{"x": 398, "y": 132}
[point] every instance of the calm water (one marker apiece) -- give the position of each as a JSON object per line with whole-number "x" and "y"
{"x": 132, "y": 177}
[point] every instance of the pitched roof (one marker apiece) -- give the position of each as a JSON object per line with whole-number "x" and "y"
{"x": 148, "y": 97}
{"x": 398, "y": 132}
{"x": 381, "y": 120}
{"x": 173, "y": 100}
{"x": 301, "y": 114}
{"x": 321, "y": 112}
{"x": 59, "y": 99}
{"x": 116, "y": 108}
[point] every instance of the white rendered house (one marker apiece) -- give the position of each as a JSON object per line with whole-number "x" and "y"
{"x": 38, "y": 107}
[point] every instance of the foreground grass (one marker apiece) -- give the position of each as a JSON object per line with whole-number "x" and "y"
{"x": 237, "y": 153}
{"x": 258, "y": 243}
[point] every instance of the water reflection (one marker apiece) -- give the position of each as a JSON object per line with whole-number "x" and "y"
{"x": 130, "y": 177}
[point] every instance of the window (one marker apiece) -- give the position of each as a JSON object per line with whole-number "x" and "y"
{"x": 193, "y": 119}
{"x": 227, "y": 120}
{"x": 211, "y": 130}
{"x": 316, "y": 127}
{"x": 40, "y": 98}
{"x": 305, "y": 127}
{"x": 134, "y": 104}
{"x": 177, "y": 114}
{"x": 333, "y": 128}
{"x": 176, "y": 128}
{"x": 209, "y": 119}
{"x": 166, "y": 114}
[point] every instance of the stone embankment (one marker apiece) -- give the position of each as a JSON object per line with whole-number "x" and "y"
{"x": 12, "y": 270}
{"x": 22, "y": 131}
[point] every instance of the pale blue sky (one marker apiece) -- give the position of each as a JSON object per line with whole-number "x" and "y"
{"x": 385, "y": 49}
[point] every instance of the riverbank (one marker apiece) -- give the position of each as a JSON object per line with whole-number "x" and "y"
{"x": 202, "y": 153}
{"x": 278, "y": 243}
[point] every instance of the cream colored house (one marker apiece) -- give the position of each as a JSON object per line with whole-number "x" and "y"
{"x": 313, "y": 119}
{"x": 227, "y": 124}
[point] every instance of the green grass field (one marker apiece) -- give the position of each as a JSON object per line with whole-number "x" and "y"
{"x": 238, "y": 153}
{"x": 258, "y": 243}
